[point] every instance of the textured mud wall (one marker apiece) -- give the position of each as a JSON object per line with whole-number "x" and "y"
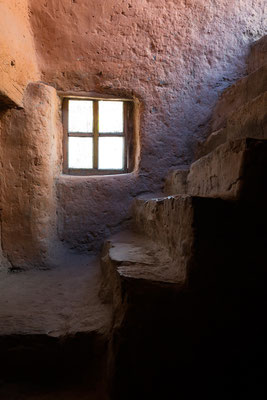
{"x": 176, "y": 56}
{"x": 18, "y": 67}
{"x": 17, "y": 53}
{"x": 3, "y": 260}
{"x": 31, "y": 143}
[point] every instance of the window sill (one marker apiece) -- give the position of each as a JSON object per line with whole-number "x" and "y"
{"x": 91, "y": 177}
{"x": 94, "y": 172}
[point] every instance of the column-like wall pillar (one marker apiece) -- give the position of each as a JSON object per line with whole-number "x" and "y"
{"x": 31, "y": 151}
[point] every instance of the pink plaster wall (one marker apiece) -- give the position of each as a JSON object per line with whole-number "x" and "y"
{"x": 175, "y": 56}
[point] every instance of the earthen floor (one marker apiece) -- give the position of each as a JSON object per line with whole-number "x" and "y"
{"x": 54, "y": 302}
{"x": 59, "y": 303}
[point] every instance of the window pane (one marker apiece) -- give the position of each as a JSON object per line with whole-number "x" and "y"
{"x": 80, "y": 116}
{"x": 80, "y": 152}
{"x": 110, "y": 116}
{"x": 111, "y": 152}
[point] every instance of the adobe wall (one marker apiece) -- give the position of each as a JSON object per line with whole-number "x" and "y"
{"x": 18, "y": 67}
{"x": 17, "y": 53}
{"x": 175, "y": 56}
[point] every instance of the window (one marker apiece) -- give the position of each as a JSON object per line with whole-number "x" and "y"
{"x": 97, "y": 136}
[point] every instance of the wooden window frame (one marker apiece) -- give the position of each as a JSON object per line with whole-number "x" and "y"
{"x": 127, "y": 134}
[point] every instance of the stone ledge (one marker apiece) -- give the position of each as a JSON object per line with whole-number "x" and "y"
{"x": 214, "y": 140}
{"x": 242, "y": 92}
{"x": 250, "y": 120}
{"x": 131, "y": 262}
{"x": 232, "y": 171}
{"x": 258, "y": 54}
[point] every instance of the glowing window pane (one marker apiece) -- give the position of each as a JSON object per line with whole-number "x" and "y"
{"x": 80, "y": 116}
{"x": 80, "y": 152}
{"x": 110, "y": 116}
{"x": 111, "y": 152}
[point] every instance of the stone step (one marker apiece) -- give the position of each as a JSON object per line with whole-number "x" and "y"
{"x": 150, "y": 306}
{"x": 237, "y": 95}
{"x": 168, "y": 246}
{"x": 234, "y": 170}
{"x": 141, "y": 282}
{"x": 175, "y": 222}
{"x": 258, "y": 54}
{"x": 130, "y": 262}
{"x": 250, "y": 120}
{"x": 183, "y": 223}
{"x": 52, "y": 324}
{"x": 168, "y": 221}
{"x": 213, "y": 244}
{"x": 214, "y": 140}
{"x": 176, "y": 182}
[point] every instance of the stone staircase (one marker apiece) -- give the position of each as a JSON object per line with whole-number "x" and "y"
{"x": 183, "y": 294}
{"x": 187, "y": 284}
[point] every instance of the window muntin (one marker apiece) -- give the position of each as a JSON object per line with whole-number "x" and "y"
{"x": 95, "y": 136}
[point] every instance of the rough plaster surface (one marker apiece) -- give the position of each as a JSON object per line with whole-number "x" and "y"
{"x": 242, "y": 108}
{"x": 176, "y": 57}
{"x": 30, "y": 155}
{"x": 17, "y": 66}
{"x": 17, "y": 52}
{"x": 91, "y": 208}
